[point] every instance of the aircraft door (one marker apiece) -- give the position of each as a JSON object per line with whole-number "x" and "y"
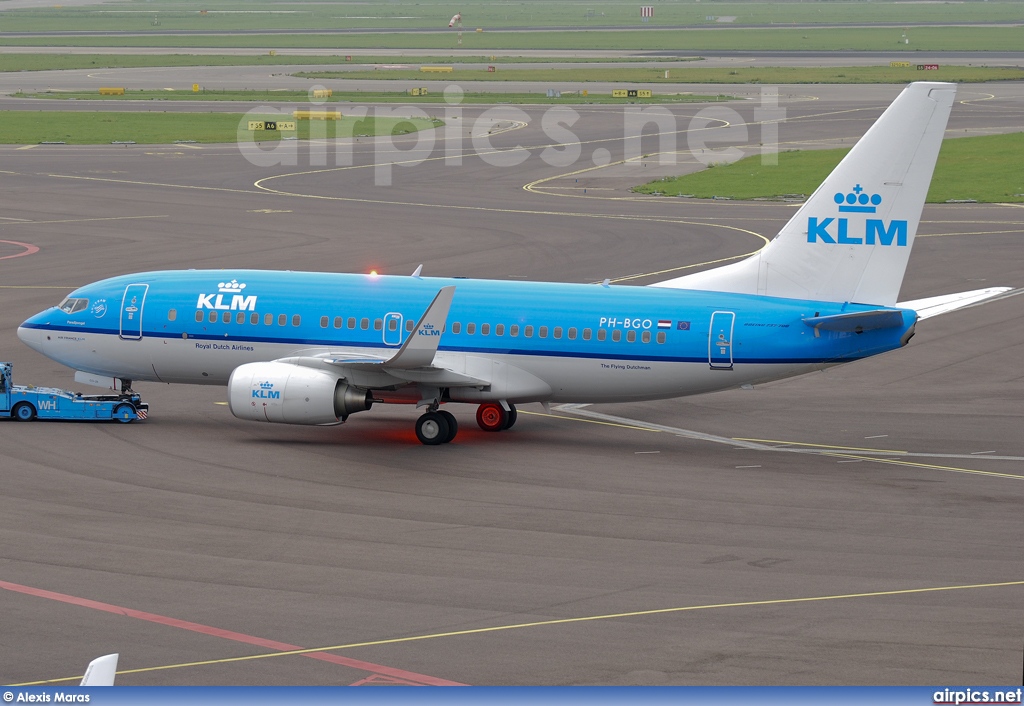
{"x": 131, "y": 311}
{"x": 392, "y": 329}
{"x": 720, "y": 340}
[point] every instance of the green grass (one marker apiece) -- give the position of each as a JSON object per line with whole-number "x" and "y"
{"x": 50, "y": 62}
{"x": 140, "y": 15}
{"x": 436, "y": 96}
{"x": 689, "y": 74}
{"x": 986, "y": 169}
{"x": 923, "y": 39}
{"x": 84, "y": 128}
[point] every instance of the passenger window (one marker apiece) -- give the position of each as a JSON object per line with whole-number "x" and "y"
{"x": 631, "y": 336}
{"x": 528, "y": 332}
{"x": 240, "y": 317}
{"x": 602, "y": 334}
{"x": 470, "y": 329}
{"x": 378, "y": 324}
{"x": 616, "y": 335}
{"x": 268, "y": 319}
{"x": 572, "y": 334}
{"x": 282, "y": 320}
{"x": 558, "y": 332}
{"x": 199, "y": 315}
{"x": 364, "y": 324}
{"x": 586, "y": 334}
{"x": 392, "y": 324}
{"x": 542, "y": 332}
{"x": 324, "y": 321}
{"x": 213, "y": 317}
{"x": 352, "y": 322}
{"x": 513, "y": 330}
{"x": 254, "y": 319}
{"x": 645, "y": 337}
{"x": 499, "y": 330}
{"x": 661, "y": 336}
{"x": 485, "y": 329}
{"x": 226, "y": 317}
{"x": 172, "y": 314}
{"x": 296, "y": 320}
{"x": 338, "y": 322}
{"x": 456, "y": 327}
{"x": 410, "y": 325}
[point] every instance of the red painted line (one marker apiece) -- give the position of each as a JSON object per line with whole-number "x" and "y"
{"x": 29, "y": 249}
{"x": 229, "y": 635}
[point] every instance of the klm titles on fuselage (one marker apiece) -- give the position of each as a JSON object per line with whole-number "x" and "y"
{"x": 428, "y": 330}
{"x": 232, "y": 289}
{"x": 875, "y": 230}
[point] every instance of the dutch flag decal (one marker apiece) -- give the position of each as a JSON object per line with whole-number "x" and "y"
{"x": 664, "y": 323}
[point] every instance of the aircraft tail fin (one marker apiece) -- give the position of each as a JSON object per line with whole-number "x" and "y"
{"x": 851, "y": 240}
{"x": 101, "y": 671}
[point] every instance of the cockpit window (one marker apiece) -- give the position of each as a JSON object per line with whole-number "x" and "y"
{"x": 72, "y": 305}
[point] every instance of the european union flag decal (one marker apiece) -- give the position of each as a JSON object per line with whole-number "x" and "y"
{"x": 682, "y": 326}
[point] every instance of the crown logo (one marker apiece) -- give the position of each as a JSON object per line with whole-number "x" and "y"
{"x": 856, "y": 201}
{"x": 232, "y": 287}
{"x": 267, "y": 385}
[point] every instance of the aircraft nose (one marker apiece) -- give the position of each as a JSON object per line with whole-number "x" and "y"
{"x": 30, "y": 334}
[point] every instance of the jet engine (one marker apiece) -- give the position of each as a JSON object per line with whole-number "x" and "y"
{"x": 292, "y": 394}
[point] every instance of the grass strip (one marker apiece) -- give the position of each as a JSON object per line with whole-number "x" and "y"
{"x": 985, "y": 169}
{"x": 54, "y": 62}
{"x": 87, "y": 128}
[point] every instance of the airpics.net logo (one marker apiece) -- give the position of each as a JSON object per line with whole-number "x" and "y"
{"x": 706, "y": 130}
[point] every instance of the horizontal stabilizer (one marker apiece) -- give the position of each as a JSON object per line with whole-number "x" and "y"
{"x": 933, "y": 306}
{"x": 858, "y": 321}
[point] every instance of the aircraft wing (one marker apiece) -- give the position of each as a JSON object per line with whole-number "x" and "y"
{"x": 933, "y": 306}
{"x": 414, "y": 361}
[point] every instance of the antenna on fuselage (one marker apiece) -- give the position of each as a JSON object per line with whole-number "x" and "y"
{"x": 416, "y": 272}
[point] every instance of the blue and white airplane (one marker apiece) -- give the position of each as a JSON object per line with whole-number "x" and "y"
{"x": 313, "y": 348}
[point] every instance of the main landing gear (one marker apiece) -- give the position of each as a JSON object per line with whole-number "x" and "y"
{"x": 438, "y": 426}
{"x": 494, "y": 417}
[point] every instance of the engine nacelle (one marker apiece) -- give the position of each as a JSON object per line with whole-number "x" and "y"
{"x": 292, "y": 394}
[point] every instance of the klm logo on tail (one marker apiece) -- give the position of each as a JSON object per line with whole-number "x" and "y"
{"x": 875, "y": 230}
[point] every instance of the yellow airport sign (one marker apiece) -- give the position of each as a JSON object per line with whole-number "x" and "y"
{"x": 195, "y": 88}
{"x": 436, "y": 69}
{"x": 900, "y": 64}
{"x": 109, "y": 91}
{"x": 323, "y": 92}
{"x": 272, "y": 125}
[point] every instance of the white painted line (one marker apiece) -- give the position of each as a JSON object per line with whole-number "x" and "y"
{"x": 877, "y": 436}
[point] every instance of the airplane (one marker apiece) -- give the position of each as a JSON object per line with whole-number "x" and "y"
{"x": 315, "y": 347}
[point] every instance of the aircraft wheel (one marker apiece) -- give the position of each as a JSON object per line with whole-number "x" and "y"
{"x": 491, "y": 417}
{"x": 24, "y": 412}
{"x": 432, "y": 429}
{"x": 513, "y": 415}
{"x": 453, "y": 425}
{"x": 124, "y": 413}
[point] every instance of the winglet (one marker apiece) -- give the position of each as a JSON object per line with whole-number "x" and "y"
{"x": 419, "y": 349}
{"x": 101, "y": 671}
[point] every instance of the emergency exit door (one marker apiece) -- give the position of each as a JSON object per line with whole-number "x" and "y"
{"x": 720, "y": 340}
